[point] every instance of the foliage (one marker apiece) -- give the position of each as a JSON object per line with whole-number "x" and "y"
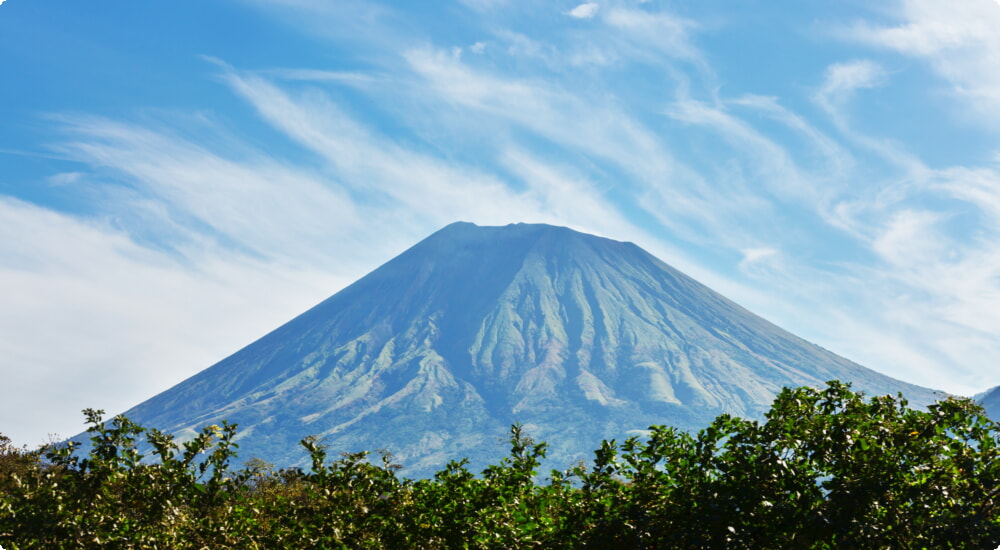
{"x": 825, "y": 469}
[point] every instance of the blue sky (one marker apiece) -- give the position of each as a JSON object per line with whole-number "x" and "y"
{"x": 177, "y": 179}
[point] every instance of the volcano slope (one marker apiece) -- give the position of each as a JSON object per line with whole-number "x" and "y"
{"x": 434, "y": 354}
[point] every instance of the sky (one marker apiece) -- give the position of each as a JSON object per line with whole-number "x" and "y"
{"x": 179, "y": 178}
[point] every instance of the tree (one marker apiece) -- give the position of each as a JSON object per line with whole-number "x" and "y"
{"x": 826, "y": 469}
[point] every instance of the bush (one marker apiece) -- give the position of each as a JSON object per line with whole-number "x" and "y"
{"x": 825, "y": 469}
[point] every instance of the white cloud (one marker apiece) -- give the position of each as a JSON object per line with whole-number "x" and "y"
{"x": 65, "y": 178}
{"x": 939, "y": 283}
{"x": 959, "y": 40}
{"x": 246, "y": 201}
{"x": 751, "y": 255}
{"x": 92, "y": 319}
{"x": 842, "y": 80}
{"x": 568, "y": 197}
{"x": 591, "y": 56}
{"x": 840, "y": 85}
{"x": 316, "y": 75}
{"x": 776, "y": 171}
{"x": 759, "y": 261}
{"x": 581, "y": 126}
{"x": 584, "y": 11}
{"x": 910, "y": 239}
{"x": 837, "y": 160}
{"x": 360, "y": 23}
{"x": 595, "y": 127}
{"x": 400, "y": 186}
{"x": 977, "y": 187}
{"x": 664, "y": 33}
{"x": 526, "y": 48}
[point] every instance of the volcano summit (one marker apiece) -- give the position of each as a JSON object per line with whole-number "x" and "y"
{"x": 434, "y": 354}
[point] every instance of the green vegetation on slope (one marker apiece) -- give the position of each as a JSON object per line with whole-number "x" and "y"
{"x": 826, "y": 469}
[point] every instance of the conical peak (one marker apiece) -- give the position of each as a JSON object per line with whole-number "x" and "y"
{"x": 514, "y": 237}
{"x": 467, "y": 231}
{"x": 464, "y": 261}
{"x": 479, "y": 326}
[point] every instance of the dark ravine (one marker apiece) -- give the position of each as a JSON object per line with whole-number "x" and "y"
{"x": 434, "y": 354}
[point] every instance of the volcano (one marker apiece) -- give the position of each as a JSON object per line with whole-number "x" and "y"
{"x": 436, "y": 353}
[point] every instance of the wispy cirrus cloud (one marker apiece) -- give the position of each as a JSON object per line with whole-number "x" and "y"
{"x": 842, "y": 80}
{"x": 775, "y": 169}
{"x": 406, "y": 186}
{"x": 833, "y": 157}
{"x": 243, "y": 202}
{"x": 959, "y": 40}
{"x": 842, "y": 83}
{"x": 933, "y": 234}
{"x": 661, "y": 32}
{"x": 584, "y": 124}
{"x": 319, "y": 75}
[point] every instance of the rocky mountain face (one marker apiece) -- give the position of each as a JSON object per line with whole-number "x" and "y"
{"x": 433, "y": 355}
